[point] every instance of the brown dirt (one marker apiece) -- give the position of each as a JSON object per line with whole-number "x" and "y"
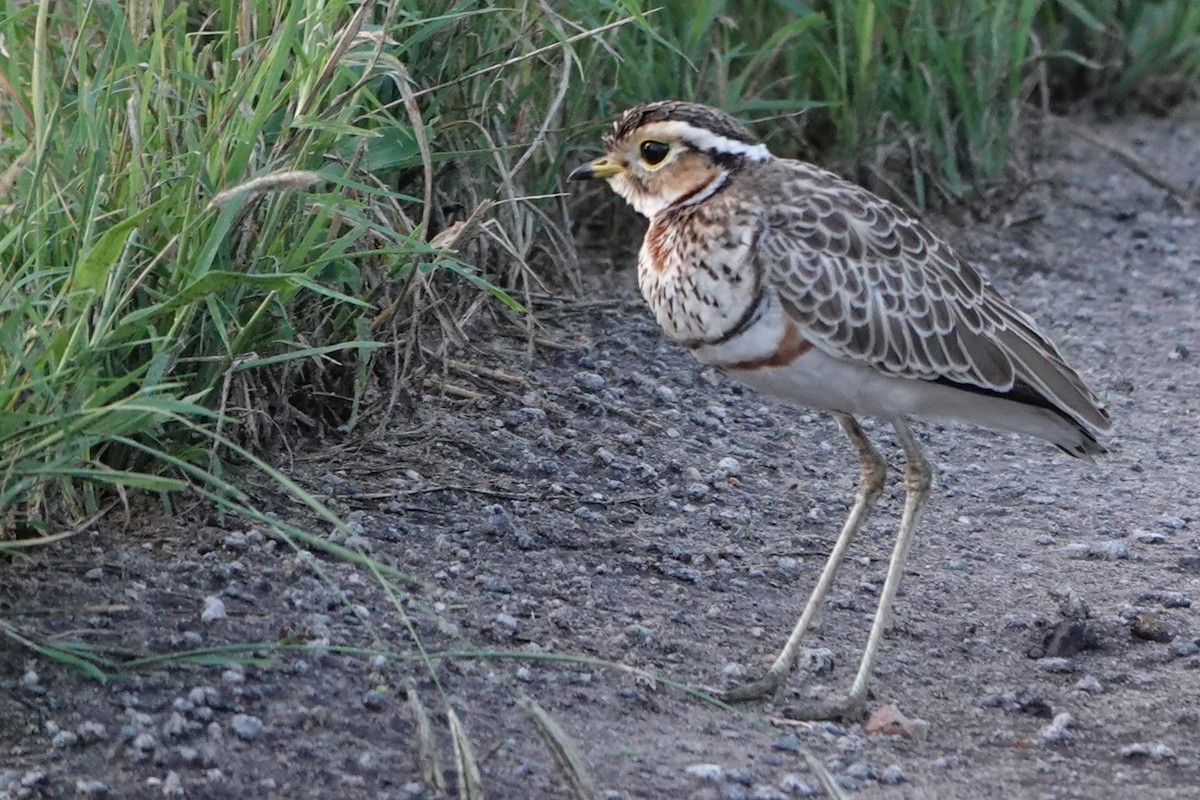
{"x": 589, "y": 515}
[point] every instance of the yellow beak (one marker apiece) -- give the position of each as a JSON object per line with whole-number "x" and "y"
{"x": 603, "y": 167}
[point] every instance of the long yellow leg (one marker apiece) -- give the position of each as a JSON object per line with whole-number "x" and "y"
{"x": 918, "y": 478}
{"x": 874, "y": 469}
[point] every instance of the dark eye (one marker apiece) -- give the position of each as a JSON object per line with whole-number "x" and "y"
{"x": 654, "y": 152}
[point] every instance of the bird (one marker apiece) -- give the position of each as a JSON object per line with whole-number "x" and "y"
{"x": 816, "y": 292}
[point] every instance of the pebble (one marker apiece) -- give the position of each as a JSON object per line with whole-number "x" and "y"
{"x": 246, "y": 726}
{"x": 214, "y": 609}
{"x": 95, "y": 574}
{"x": 1161, "y": 751}
{"x": 1089, "y": 684}
{"x": 1166, "y": 599}
{"x": 589, "y": 381}
{"x": 892, "y": 775}
{"x": 1137, "y": 750}
{"x": 175, "y": 726}
{"x": 729, "y": 467}
{"x": 91, "y": 732}
{"x": 1056, "y": 732}
{"x": 1147, "y": 625}
{"x": 373, "y": 699}
{"x": 1112, "y": 550}
{"x": 64, "y": 739}
{"x": 173, "y": 785}
{"x": 1057, "y": 664}
{"x": 763, "y": 792}
{"x": 817, "y": 660}
{"x": 714, "y": 773}
{"x": 143, "y": 744}
{"x": 91, "y": 787}
{"x": 796, "y": 786}
{"x": 1182, "y": 648}
{"x": 1067, "y": 639}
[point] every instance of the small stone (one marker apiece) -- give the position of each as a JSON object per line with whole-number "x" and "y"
{"x": 763, "y": 792}
{"x": 246, "y": 726}
{"x": 214, "y": 609}
{"x": 144, "y": 743}
{"x": 734, "y": 671}
{"x": 729, "y": 467}
{"x": 1137, "y": 750}
{"x": 1147, "y": 625}
{"x": 95, "y": 574}
{"x": 524, "y": 675}
{"x": 1056, "y": 732}
{"x": 797, "y": 786}
{"x": 507, "y": 621}
{"x": 713, "y": 773}
{"x": 90, "y": 731}
{"x": 1066, "y": 639}
{"x": 1089, "y": 684}
{"x": 1167, "y": 599}
{"x": 374, "y": 699}
{"x": 1113, "y": 550}
{"x": 892, "y": 775}
{"x": 91, "y": 788}
{"x": 1183, "y": 648}
{"x": 64, "y": 739}
{"x": 173, "y": 785}
{"x": 589, "y": 381}
{"x": 1161, "y": 752}
{"x": 1059, "y": 665}
{"x": 817, "y": 660}
{"x": 890, "y": 721}
{"x": 786, "y": 743}
{"x": 175, "y": 726}
{"x": 32, "y": 778}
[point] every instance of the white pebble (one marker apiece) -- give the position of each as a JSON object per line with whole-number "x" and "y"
{"x": 214, "y": 609}
{"x": 707, "y": 772}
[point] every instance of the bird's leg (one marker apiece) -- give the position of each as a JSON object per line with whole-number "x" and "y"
{"x": 870, "y": 487}
{"x": 918, "y": 478}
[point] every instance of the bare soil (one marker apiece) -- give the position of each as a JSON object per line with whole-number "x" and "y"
{"x": 1045, "y": 632}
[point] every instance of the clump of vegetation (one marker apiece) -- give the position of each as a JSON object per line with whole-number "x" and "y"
{"x": 221, "y": 221}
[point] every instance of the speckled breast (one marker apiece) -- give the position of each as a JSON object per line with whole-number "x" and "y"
{"x": 696, "y": 274}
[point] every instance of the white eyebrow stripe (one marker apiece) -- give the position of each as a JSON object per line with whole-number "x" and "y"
{"x": 707, "y": 140}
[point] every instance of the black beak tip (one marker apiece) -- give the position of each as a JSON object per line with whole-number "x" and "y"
{"x": 581, "y": 173}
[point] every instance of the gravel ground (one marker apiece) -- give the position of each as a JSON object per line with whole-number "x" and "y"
{"x": 629, "y": 506}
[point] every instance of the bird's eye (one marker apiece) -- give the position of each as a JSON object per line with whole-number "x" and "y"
{"x": 654, "y": 152}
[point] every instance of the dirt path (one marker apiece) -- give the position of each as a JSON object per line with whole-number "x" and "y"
{"x": 632, "y": 507}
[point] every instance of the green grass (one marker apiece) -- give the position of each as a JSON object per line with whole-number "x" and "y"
{"x": 223, "y": 213}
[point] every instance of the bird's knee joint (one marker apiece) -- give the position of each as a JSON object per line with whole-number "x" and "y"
{"x": 918, "y": 480}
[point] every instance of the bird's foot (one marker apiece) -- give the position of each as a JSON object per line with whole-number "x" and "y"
{"x": 830, "y": 707}
{"x": 765, "y": 688}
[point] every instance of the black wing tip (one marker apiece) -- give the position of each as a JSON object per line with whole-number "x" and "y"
{"x": 1087, "y": 448}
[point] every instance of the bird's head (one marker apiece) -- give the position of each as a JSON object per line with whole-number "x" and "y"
{"x": 670, "y": 153}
